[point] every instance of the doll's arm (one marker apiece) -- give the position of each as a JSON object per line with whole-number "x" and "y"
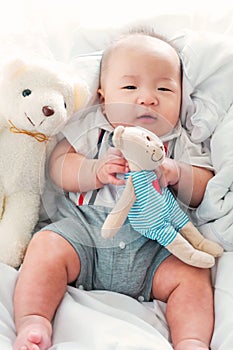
{"x": 119, "y": 213}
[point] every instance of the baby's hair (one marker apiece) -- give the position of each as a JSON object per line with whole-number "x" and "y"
{"x": 139, "y": 30}
{"x": 148, "y": 31}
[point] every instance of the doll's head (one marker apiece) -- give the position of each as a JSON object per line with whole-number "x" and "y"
{"x": 141, "y": 148}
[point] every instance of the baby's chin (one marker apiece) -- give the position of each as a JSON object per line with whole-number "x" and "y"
{"x": 122, "y": 123}
{"x": 149, "y": 124}
{"x": 155, "y": 127}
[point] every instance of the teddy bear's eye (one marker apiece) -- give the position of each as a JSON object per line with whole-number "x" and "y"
{"x": 148, "y": 138}
{"x": 26, "y": 92}
{"x": 65, "y": 105}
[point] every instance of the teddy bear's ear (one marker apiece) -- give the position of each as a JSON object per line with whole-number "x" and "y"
{"x": 116, "y": 140}
{"x": 81, "y": 95}
{"x": 14, "y": 68}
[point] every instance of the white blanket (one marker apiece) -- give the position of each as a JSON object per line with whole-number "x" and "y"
{"x": 91, "y": 320}
{"x": 208, "y": 114}
{"x": 110, "y": 321}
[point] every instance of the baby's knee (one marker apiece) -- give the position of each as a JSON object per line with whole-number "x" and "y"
{"x": 198, "y": 274}
{"x": 194, "y": 284}
{"x": 173, "y": 274}
{"x": 51, "y": 247}
{"x": 54, "y": 252}
{"x": 194, "y": 276}
{"x": 47, "y": 242}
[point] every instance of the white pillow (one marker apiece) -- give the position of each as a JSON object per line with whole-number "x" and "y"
{"x": 87, "y": 67}
{"x": 208, "y": 75}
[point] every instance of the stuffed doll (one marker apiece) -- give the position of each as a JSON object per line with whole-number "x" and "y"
{"x": 153, "y": 211}
{"x": 35, "y": 103}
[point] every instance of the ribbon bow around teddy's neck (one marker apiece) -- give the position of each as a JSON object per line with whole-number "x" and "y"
{"x": 37, "y": 135}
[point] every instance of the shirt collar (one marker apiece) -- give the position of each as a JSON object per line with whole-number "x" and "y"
{"x": 173, "y": 134}
{"x": 102, "y": 121}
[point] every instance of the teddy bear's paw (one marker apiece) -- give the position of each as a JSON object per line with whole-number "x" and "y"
{"x": 12, "y": 260}
{"x": 12, "y": 254}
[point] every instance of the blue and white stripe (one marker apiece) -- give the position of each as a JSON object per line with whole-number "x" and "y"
{"x": 155, "y": 215}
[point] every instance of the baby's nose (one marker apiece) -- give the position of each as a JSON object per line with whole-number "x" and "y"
{"x": 147, "y": 99}
{"x": 47, "y": 111}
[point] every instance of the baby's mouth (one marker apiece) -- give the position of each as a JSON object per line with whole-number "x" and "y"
{"x": 146, "y": 119}
{"x": 146, "y": 116}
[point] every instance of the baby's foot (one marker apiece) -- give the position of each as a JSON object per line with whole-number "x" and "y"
{"x": 34, "y": 333}
{"x": 191, "y": 344}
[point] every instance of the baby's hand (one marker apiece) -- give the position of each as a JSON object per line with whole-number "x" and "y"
{"x": 109, "y": 165}
{"x": 168, "y": 173}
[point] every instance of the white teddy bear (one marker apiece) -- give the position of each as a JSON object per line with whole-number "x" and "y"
{"x": 35, "y": 103}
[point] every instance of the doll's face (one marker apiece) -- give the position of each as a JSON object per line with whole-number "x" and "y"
{"x": 143, "y": 149}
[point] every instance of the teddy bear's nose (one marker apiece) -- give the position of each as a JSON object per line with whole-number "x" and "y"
{"x": 48, "y": 111}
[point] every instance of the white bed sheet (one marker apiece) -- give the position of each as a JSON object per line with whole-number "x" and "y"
{"x": 103, "y": 320}
{"x": 91, "y": 320}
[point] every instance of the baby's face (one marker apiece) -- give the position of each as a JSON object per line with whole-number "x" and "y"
{"x": 141, "y": 84}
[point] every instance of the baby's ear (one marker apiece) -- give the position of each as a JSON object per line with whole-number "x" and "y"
{"x": 81, "y": 95}
{"x": 116, "y": 140}
{"x": 101, "y": 95}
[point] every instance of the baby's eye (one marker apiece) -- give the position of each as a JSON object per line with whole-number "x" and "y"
{"x": 26, "y": 92}
{"x": 129, "y": 87}
{"x": 163, "y": 89}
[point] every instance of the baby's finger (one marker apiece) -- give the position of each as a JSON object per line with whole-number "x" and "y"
{"x": 116, "y": 151}
{"x": 115, "y": 168}
{"x": 116, "y": 181}
{"x": 159, "y": 173}
{"x": 161, "y": 177}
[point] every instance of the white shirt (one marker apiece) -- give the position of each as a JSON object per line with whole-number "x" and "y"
{"x": 83, "y": 132}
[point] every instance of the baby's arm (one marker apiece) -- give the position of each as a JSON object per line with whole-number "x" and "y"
{"x": 188, "y": 181}
{"x": 75, "y": 173}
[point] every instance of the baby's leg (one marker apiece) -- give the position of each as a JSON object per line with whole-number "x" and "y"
{"x": 189, "y": 296}
{"x": 34, "y": 333}
{"x": 49, "y": 265}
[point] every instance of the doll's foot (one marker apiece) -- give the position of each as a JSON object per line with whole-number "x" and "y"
{"x": 34, "y": 333}
{"x": 191, "y": 344}
{"x": 210, "y": 247}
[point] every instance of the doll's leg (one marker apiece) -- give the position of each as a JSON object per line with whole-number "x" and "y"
{"x": 183, "y": 250}
{"x": 50, "y": 263}
{"x": 191, "y": 233}
{"x": 189, "y": 296}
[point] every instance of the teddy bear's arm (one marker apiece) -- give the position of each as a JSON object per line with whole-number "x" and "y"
{"x": 119, "y": 213}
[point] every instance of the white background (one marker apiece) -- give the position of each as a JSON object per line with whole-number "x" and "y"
{"x": 17, "y": 15}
